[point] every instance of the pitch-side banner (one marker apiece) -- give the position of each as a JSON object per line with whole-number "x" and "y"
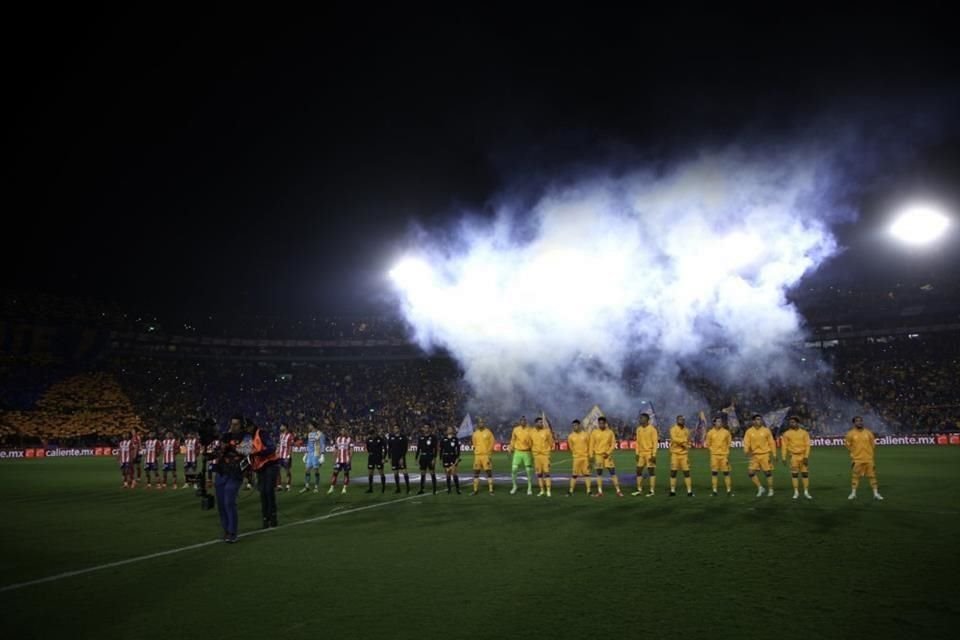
{"x": 827, "y": 441}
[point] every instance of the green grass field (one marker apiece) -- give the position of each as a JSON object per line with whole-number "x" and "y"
{"x": 497, "y": 566}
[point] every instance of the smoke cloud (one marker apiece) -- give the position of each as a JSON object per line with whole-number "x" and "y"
{"x": 608, "y": 287}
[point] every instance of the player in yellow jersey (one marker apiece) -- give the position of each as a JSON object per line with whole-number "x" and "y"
{"x": 521, "y": 444}
{"x": 860, "y": 443}
{"x": 718, "y": 441}
{"x": 542, "y": 448}
{"x": 603, "y": 443}
{"x": 759, "y": 446}
{"x": 482, "y": 441}
{"x": 646, "y": 447}
{"x": 680, "y": 444}
{"x": 578, "y": 442}
{"x": 796, "y": 442}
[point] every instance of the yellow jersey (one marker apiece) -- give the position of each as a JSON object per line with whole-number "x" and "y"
{"x": 679, "y": 440}
{"x": 860, "y": 443}
{"x": 579, "y": 444}
{"x": 542, "y": 441}
{"x": 482, "y": 442}
{"x": 796, "y": 442}
{"x": 758, "y": 441}
{"x": 521, "y": 439}
{"x": 647, "y": 440}
{"x": 602, "y": 442}
{"x": 718, "y": 441}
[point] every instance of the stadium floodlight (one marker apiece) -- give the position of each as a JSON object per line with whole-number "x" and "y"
{"x": 919, "y": 225}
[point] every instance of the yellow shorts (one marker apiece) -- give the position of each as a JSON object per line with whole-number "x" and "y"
{"x": 603, "y": 463}
{"x": 481, "y": 462}
{"x": 679, "y": 462}
{"x": 581, "y": 466}
{"x": 864, "y": 469}
{"x": 761, "y": 462}
{"x": 719, "y": 462}
{"x": 646, "y": 459}
{"x": 798, "y": 464}
{"x": 541, "y": 463}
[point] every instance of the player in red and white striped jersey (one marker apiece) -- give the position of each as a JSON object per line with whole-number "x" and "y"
{"x": 151, "y": 448}
{"x": 125, "y": 455}
{"x": 343, "y": 452}
{"x": 285, "y": 455}
{"x": 170, "y": 447}
{"x": 191, "y": 448}
{"x": 137, "y": 446}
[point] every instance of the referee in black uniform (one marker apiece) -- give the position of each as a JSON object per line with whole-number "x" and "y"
{"x": 397, "y": 445}
{"x": 427, "y": 455}
{"x": 376, "y": 447}
{"x": 450, "y": 457}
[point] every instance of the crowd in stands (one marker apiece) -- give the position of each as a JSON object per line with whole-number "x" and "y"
{"x": 909, "y": 384}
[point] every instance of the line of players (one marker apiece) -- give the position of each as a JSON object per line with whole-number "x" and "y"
{"x": 530, "y": 447}
{"x": 140, "y": 457}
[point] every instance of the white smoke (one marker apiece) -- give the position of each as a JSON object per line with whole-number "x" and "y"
{"x": 654, "y": 270}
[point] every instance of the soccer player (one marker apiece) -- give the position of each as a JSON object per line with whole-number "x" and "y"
{"x": 521, "y": 445}
{"x": 397, "y": 445}
{"x": 313, "y": 458}
{"x": 680, "y": 444}
{"x": 376, "y": 448}
{"x": 718, "y": 441}
{"x": 759, "y": 446}
{"x": 137, "y": 449}
{"x": 343, "y": 452}
{"x": 603, "y": 443}
{"x": 482, "y": 441}
{"x": 170, "y": 446}
{"x": 285, "y": 455}
{"x": 426, "y": 456}
{"x": 796, "y": 442}
{"x": 648, "y": 440}
{"x": 151, "y": 447}
{"x": 450, "y": 457}
{"x": 191, "y": 447}
{"x": 125, "y": 457}
{"x": 860, "y": 443}
{"x": 542, "y": 448}
{"x": 578, "y": 442}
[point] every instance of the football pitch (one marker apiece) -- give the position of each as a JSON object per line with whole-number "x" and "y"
{"x": 146, "y": 563}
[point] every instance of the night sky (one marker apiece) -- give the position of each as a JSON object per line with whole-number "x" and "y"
{"x": 273, "y": 164}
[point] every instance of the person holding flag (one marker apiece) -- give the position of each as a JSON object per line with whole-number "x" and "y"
{"x": 733, "y": 423}
{"x": 698, "y": 433}
{"x": 521, "y": 445}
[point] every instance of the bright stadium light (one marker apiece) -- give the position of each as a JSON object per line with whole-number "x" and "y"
{"x": 919, "y": 225}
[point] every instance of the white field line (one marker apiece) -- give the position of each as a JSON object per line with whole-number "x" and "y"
{"x": 199, "y": 545}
